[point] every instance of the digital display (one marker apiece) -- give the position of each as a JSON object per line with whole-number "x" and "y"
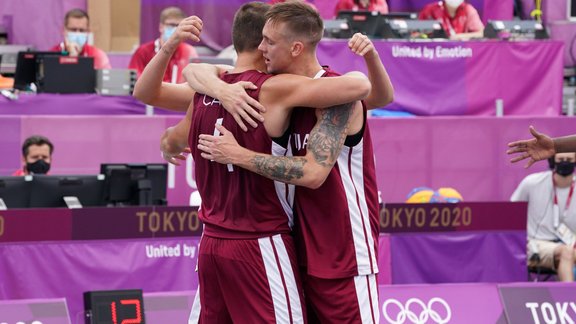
{"x": 114, "y": 307}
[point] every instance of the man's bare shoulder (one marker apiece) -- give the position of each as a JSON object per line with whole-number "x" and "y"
{"x": 280, "y": 82}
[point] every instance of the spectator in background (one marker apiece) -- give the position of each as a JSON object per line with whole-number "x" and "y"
{"x": 36, "y": 156}
{"x": 169, "y": 19}
{"x": 459, "y": 19}
{"x": 76, "y": 31}
{"x": 551, "y": 215}
{"x": 370, "y": 5}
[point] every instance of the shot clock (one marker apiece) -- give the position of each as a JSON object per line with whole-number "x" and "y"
{"x": 114, "y": 307}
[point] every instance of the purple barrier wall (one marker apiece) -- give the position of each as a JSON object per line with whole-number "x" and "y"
{"x": 384, "y": 260}
{"x": 479, "y": 303}
{"x": 71, "y": 104}
{"x": 122, "y": 248}
{"x": 459, "y": 257}
{"x": 464, "y": 78}
{"x": 564, "y": 31}
{"x": 35, "y": 311}
{"x": 446, "y": 303}
{"x": 478, "y": 74}
{"x": 452, "y": 303}
{"x": 544, "y": 303}
{"x": 463, "y": 303}
{"x": 467, "y": 154}
{"x": 68, "y": 269}
{"x": 450, "y": 217}
{"x": 490, "y": 247}
{"x": 168, "y": 307}
{"x": 527, "y": 76}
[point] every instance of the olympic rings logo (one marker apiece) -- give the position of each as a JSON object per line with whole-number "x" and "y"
{"x": 436, "y": 309}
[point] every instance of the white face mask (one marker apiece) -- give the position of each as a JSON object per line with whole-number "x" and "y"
{"x": 78, "y": 38}
{"x": 168, "y": 31}
{"x": 454, "y": 3}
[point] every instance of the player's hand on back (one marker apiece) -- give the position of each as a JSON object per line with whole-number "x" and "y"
{"x": 240, "y": 105}
{"x": 222, "y": 149}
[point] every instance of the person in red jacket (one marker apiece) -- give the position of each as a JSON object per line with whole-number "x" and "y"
{"x": 370, "y": 5}
{"x": 76, "y": 30}
{"x": 460, "y": 19}
{"x": 169, "y": 19}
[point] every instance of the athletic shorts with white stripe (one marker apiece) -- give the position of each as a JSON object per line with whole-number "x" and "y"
{"x": 250, "y": 281}
{"x": 342, "y": 300}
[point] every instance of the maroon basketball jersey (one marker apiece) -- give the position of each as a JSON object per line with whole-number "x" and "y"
{"x": 236, "y": 203}
{"x": 337, "y": 224}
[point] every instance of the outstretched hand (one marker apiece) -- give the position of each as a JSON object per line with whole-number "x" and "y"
{"x": 240, "y": 105}
{"x": 221, "y": 149}
{"x": 536, "y": 149}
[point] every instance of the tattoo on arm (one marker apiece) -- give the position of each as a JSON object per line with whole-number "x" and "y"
{"x": 279, "y": 168}
{"x": 328, "y": 136}
{"x": 325, "y": 143}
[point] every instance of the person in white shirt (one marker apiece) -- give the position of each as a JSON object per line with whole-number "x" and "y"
{"x": 551, "y": 215}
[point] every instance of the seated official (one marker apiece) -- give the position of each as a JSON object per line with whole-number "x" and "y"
{"x": 76, "y": 30}
{"x": 459, "y": 19}
{"x": 169, "y": 19}
{"x": 36, "y": 156}
{"x": 361, "y": 5}
{"x": 551, "y": 215}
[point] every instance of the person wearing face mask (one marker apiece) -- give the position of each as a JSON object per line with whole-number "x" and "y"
{"x": 551, "y": 215}
{"x": 460, "y": 19}
{"x": 361, "y": 5}
{"x": 76, "y": 32}
{"x": 169, "y": 19}
{"x": 36, "y": 156}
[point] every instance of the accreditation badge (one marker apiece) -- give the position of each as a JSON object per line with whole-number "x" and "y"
{"x": 565, "y": 235}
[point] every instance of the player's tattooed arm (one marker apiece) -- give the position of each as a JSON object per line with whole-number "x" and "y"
{"x": 328, "y": 136}
{"x": 280, "y": 168}
{"x": 324, "y": 145}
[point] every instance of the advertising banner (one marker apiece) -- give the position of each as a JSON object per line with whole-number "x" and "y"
{"x": 544, "y": 303}
{"x": 135, "y": 222}
{"x": 497, "y": 256}
{"x": 68, "y": 269}
{"x": 440, "y": 304}
{"x": 35, "y": 225}
{"x": 34, "y": 311}
{"x": 463, "y": 216}
{"x": 472, "y": 74}
{"x": 168, "y": 307}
